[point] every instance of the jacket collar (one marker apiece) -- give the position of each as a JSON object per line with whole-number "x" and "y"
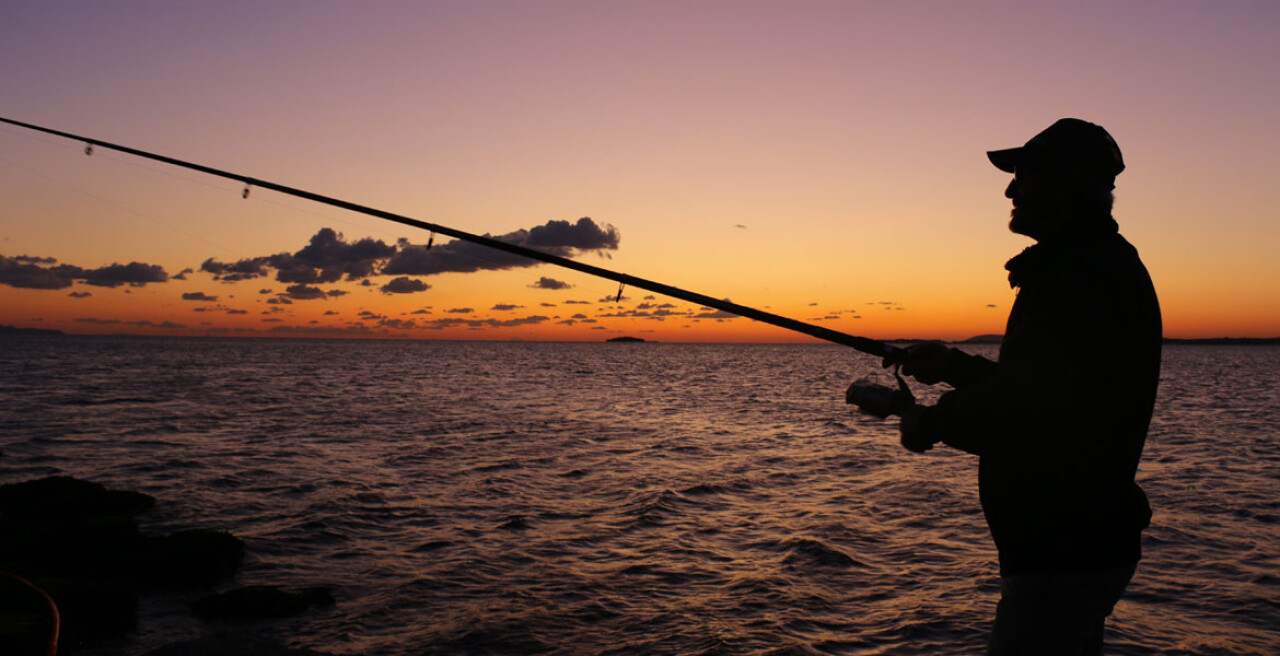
{"x": 1045, "y": 257}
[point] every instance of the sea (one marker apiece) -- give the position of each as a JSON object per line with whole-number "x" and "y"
{"x": 498, "y": 498}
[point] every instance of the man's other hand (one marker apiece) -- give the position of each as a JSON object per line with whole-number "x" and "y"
{"x": 913, "y": 437}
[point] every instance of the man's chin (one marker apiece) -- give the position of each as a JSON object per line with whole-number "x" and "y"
{"x": 1018, "y": 224}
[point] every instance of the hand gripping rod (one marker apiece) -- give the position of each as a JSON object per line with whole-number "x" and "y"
{"x": 864, "y": 344}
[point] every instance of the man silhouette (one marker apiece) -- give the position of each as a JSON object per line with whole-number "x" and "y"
{"x": 1059, "y": 419}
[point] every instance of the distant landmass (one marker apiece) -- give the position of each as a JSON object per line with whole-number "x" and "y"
{"x": 11, "y": 330}
{"x": 7, "y": 331}
{"x": 1209, "y": 341}
{"x": 984, "y": 339}
{"x": 1228, "y": 341}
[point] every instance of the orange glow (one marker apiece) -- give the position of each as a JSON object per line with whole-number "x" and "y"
{"x": 822, "y": 164}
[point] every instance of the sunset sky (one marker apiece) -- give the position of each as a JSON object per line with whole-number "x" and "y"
{"x": 822, "y": 160}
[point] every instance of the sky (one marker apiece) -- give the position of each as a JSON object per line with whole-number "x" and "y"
{"x": 820, "y": 160}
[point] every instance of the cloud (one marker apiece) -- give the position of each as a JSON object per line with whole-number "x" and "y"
{"x": 463, "y": 310}
{"x": 34, "y": 259}
{"x": 182, "y": 275}
{"x": 550, "y": 283}
{"x": 353, "y": 329}
{"x": 708, "y": 313}
{"x": 242, "y": 270}
{"x": 554, "y": 237}
{"x": 167, "y": 325}
{"x": 325, "y": 259}
{"x": 29, "y": 272}
{"x": 198, "y": 296}
{"x": 302, "y": 292}
{"x": 328, "y": 257}
{"x": 449, "y": 322}
{"x": 135, "y": 274}
{"x": 405, "y": 285}
{"x": 79, "y": 294}
{"x": 506, "y": 307}
{"x": 399, "y": 324}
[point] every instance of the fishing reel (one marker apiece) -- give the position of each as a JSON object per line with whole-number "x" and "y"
{"x": 880, "y": 400}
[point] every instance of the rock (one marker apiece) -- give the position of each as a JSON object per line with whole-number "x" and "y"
{"x": 224, "y": 644}
{"x": 93, "y": 548}
{"x": 260, "y": 602}
{"x": 61, "y": 499}
{"x": 192, "y": 558}
{"x": 93, "y": 609}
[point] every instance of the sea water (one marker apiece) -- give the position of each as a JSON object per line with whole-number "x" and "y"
{"x": 571, "y": 498}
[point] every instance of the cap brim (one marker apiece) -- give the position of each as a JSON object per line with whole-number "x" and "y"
{"x": 1006, "y": 160}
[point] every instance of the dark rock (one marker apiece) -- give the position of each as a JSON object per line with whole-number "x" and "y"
{"x": 93, "y": 609}
{"x": 224, "y": 644}
{"x": 23, "y": 633}
{"x": 98, "y": 548}
{"x": 195, "y": 557}
{"x": 59, "y": 499}
{"x": 260, "y": 602}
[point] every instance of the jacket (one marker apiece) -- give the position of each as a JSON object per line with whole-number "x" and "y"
{"x": 1060, "y": 419}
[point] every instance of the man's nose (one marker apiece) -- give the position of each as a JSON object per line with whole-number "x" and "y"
{"x": 1011, "y": 190}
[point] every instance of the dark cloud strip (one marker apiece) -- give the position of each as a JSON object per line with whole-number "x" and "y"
{"x": 329, "y": 257}
{"x": 29, "y": 272}
{"x": 560, "y": 238}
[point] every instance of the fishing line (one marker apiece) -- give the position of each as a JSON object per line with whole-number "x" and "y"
{"x": 246, "y": 193}
{"x": 110, "y": 203}
{"x": 600, "y": 293}
{"x": 864, "y": 344}
{"x": 169, "y": 172}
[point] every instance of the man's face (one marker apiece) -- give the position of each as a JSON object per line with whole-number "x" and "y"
{"x": 1038, "y": 202}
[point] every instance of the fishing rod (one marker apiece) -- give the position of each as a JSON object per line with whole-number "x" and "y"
{"x": 891, "y": 354}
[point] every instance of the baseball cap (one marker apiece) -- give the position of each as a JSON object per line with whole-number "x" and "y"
{"x": 1068, "y": 142}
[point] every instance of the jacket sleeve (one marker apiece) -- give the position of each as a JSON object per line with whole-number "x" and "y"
{"x": 1043, "y": 386}
{"x": 967, "y": 370}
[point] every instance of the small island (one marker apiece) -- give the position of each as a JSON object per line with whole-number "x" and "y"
{"x": 624, "y": 339}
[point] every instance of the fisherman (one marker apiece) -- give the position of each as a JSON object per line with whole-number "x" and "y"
{"x": 1058, "y": 421}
